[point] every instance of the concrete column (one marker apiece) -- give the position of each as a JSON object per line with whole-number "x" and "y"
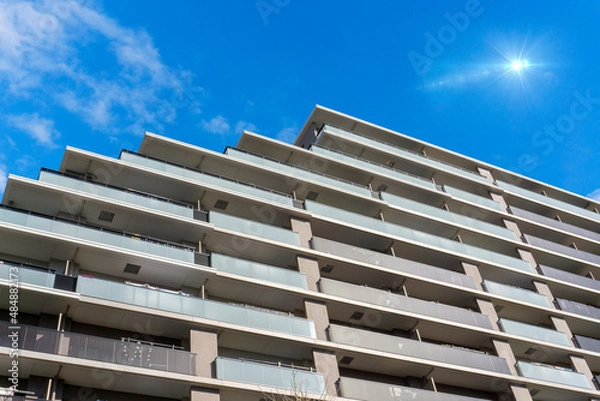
{"x": 317, "y": 312}
{"x": 512, "y": 226}
{"x": 527, "y": 257}
{"x": 580, "y": 365}
{"x": 310, "y": 268}
{"x": 64, "y": 343}
{"x": 521, "y": 393}
{"x": 204, "y": 394}
{"x": 486, "y": 173}
{"x": 473, "y": 271}
{"x": 205, "y": 345}
{"x": 500, "y": 199}
{"x": 543, "y": 289}
{"x": 504, "y": 350}
{"x": 326, "y": 364}
{"x": 487, "y": 308}
{"x": 307, "y": 266}
{"x": 561, "y": 325}
{"x": 302, "y": 227}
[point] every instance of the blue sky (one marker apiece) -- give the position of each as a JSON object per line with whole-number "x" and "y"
{"x": 96, "y": 75}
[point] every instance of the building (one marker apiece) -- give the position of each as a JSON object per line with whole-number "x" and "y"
{"x": 358, "y": 263}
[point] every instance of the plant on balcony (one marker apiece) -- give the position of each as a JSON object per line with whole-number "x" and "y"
{"x": 297, "y": 393}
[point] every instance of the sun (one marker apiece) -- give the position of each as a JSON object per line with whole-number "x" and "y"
{"x": 518, "y": 65}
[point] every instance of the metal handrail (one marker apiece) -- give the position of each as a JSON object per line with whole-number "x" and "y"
{"x": 123, "y": 233}
{"x": 271, "y": 363}
{"x": 299, "y": 167}
{"x": 373, "y": 163}
{"x": 128, "y": 190}
{"x": 400, "y": 148}
{"x": 207, "y": 173}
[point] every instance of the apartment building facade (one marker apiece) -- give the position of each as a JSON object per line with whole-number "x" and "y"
{"x": 355, "y": 264}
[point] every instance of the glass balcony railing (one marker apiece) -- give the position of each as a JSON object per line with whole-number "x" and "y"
{"x": 417, "y": 349}
{"x": 534, "y": 332}
{"x": 256, "y": 270}
{"x": 517, "y": 294}
{"x": 272, "y": 375}
{"x": 124, "y": 352}
{"x": 469, "y": 197}
{"x": 405, "y": 154}
{"x": 551, "y": 202}
{"x": 113, "y": 193}
{"x": 368, "y": 390}
{"x": 430, "y": 240}
{"x": 450, "y": 217}
{"x": 578, "y": 308}
{"x": 555, "y": 223}
{"x": 562, "y": 249}
{"x": 254, "y": 228}
{"x": 14, "y": 272}
{"x": 404, "y": 303}
{"x": 376, "y": 168}
{"x": 552, "y": 375}
{"x": 215, "y": 181}
{"x": 202, "y": 308}
{"x": 587, "y": 343}
{"x": 103, "y": 236}
{"x": 570, "y": 277}
{"x": 391, "y": 262}
{"x": 300, "y": 173}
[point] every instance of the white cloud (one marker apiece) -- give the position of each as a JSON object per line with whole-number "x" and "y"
{"x": 40, "y": 129}
{"x": 595, "y": 195}
{"x": 244, "y": 125}
{"x": 45, "y": 53}
{"x": 217, "y": 125}
{"x": 288, "y": 134}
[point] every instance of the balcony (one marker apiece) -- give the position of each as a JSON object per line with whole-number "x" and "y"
{"x": 254, "y": 228}
{"x": 469, "y": 197}
{"x": 570, "y": 277}
{"x": 391, "y": 262}
{"x": 26, "y": 275}
{"x": 202, "y": 308}
{"x": 516, "y": 293}
{"x": 373, "y": 391}
{"x": 417, "y": 349}
{"x": 450, "y": 217}
{"x": 404, "y": 303}
{"x": 272, "y": 375}
{"x": 562, "y": 249}
{"x": 129, "y": 353}
{"x": 212, "y": 180}
{"x": 552, "y": 375}
{"x": 419, "y": 237}
{"x": 128, "y": 242}
{"x": 135, "y": 198}
{"x": 300, "y": 173}
{"x": 376, "y": 168}
{"x": 553, "y": 203}
{"x": 405, "y": 154}
{"x": 587, "y": 343}
{"x": 258, "y": 271}
{"x": 578, "y": 308}
{"x": 555, "y": 223}
{"x": 534, "y": 332}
